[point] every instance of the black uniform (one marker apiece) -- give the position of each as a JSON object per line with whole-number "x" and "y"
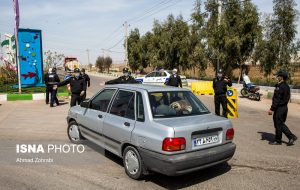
{"x": 220, "y": 88}
{"x": 174, "y": 80}
{"x": 87, "y": 79}
{"x": 88, "y": 83}
{"x": 46, "y": 79}
{"x": 280, "y": 100}
{"x": 77, "y": 86}
{"x": 122, "y": 80}
{"x": 50, "y": 80}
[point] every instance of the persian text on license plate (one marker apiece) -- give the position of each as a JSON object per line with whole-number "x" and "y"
{"x": 205, "y": 140}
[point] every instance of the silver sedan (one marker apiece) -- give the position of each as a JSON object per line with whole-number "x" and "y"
{"x": 153, "y": 128}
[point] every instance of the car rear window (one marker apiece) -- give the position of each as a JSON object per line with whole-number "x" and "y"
{"x": 175, "y": 104}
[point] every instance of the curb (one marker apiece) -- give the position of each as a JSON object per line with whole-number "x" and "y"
{"x": 37, "y": 96}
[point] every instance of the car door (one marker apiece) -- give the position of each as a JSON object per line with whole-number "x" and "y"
{"x": 160, "y": 78}
{"x": 92, "y": 120}
{"x": 120, "y": 121}
{"x": 150, "y": 78}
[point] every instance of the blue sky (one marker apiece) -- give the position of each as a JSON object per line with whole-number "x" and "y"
{"x": 73, "y": 26}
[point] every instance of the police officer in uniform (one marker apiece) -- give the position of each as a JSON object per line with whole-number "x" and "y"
{"x": 52, "y": 81}
{"x": 87, "y": 80}
{"x": 125, "y": 79}
{"x": 220, "y": 84}
{"x": 279, "y": 109}
{"x": 48, "y": 86}
{"x": 174, "y": 80}
{"x": 78, "y": 87}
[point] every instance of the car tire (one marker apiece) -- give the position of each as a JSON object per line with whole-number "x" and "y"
{"x": 74, "y": 133}
{"x": 133, "y": 164}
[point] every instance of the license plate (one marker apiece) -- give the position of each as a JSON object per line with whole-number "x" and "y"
{"x": 205, "y": 140}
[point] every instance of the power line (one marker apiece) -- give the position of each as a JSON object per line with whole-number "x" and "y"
{"x": 116, "y": 43}
{"x": 111, "y": 34}
{"x": 163, "y": 8}
{"x": 150, "y": 10}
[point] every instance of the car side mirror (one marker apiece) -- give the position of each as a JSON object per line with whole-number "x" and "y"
{"x": 85, "y": 103}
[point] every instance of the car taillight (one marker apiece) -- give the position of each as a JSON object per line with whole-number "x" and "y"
{"x": 229, "y": 134}
{"x": 173, "y": 144}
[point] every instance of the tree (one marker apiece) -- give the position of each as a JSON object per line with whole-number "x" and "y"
{"x": 277, "y": 47}
{"x": 265, "y": 48}
{"x": 197, "y": 57}
{"x": 170, "y": 43}
{"x": 107, "y": 63}
{"x": 233, "y": 41}
{"x": 53, "y": 59}
{"x": 134, "y": 50}
{"x": 283, "y": 32}
{"x": 90, "y": 66}
{"x": 100, "y": 63}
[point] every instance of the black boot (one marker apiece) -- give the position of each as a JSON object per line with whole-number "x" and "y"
{"x": 292, "y": 140}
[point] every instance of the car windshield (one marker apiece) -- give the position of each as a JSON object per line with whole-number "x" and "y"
{"x": 175, "y": 104}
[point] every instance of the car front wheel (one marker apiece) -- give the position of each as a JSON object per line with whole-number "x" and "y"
{"x": 133, "y": 163}
{"x": 74, "y": 133}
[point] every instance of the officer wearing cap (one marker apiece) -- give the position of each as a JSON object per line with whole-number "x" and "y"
{"x": 174, "y": 80}
{"x": 279, "y": 109}
{"x": 48, "y": 86}
{"x": 78, "y": 87}
{"x": 51, "y": 80}
{"x": 87, "y": 80}
{"x": 125, "y": 79}
{"x": 220, "y": 84}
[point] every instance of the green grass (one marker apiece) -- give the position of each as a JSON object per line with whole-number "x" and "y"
{"x": 7, "y": 89}
{"x": 13, "y": 97}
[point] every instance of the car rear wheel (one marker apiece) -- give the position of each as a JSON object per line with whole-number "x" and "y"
{"x": 74, "y": 133}
{"x": 133, "y": 163}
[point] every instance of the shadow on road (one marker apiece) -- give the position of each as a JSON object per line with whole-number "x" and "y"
{"x": 168, "y": 182}
{"x": 267, "y": 136}
{"x": 178, "y": 182}
{"x": 104, "y": 152}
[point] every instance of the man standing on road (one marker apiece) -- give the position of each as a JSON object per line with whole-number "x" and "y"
{"x": 46, "y": 79}
{"x": 220, "y": 84}
{"x": 125, "y": 79}
{"x": 87, "y": 80}
{"x": 51, "y": 81}
{"x": 78, "y": 87}
{"x": 280, "y": 101}
{"x": 174, "y": 80}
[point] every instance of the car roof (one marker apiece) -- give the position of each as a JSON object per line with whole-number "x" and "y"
{"x": 149, "y": 88}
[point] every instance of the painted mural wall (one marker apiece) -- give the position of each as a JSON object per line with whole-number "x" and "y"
{"x": 30, "y": 57}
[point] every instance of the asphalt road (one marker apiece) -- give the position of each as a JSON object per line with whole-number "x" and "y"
{"x": 255, "y": 165}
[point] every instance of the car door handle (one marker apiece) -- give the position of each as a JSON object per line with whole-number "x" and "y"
{"x": 127, "y": 124}
{"x": 100, "y": 116}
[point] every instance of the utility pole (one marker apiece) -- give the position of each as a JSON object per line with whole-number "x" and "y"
{"x": 219, "y": 23}
{"x": 126, "y": 43}
{"x": 88, "y": 55}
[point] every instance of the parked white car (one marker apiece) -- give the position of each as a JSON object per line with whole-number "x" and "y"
{"x": 159, "y": 78}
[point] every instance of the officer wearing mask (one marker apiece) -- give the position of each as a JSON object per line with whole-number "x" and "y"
{"x": 125, "y": 79}
{"x": 87, "y": 80}
{"x": 78, "y": 87}
{"x": 279, "y": 109}
{"x": 174, "y": 80}
{"x": 46, "y": 79}
{"x": 220, "y": 84}
{"x": 52, "y": 81}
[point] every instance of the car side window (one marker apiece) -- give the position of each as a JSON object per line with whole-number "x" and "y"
{"x": 162, "y": 74}
{"x": 101, "y": 101}
{"x": 151, "y": 74}
{"x": 123, "y": 105}
{"x": 140, "y": 108}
